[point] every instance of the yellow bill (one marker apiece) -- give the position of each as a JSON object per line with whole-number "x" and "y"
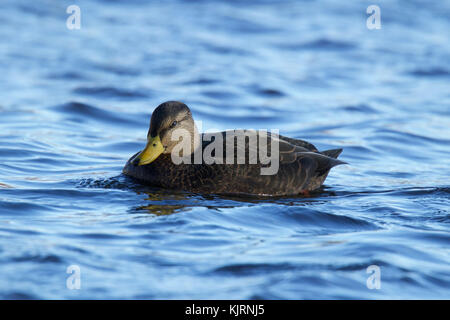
{"x": 152, "y": 150}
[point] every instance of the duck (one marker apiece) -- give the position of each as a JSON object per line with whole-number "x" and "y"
{"x": 234, "y": 162}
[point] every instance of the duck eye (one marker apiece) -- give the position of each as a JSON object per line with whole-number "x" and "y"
{"x": 174, "y": 124}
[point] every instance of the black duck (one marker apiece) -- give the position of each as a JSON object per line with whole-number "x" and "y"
{"x": 212, "y": 163}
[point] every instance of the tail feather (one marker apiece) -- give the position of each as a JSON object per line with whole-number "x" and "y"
{"x": 333, "y": 153}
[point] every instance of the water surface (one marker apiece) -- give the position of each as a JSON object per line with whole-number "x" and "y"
{"x": 76, "y": 105}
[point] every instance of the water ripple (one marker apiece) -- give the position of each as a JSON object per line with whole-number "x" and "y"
{"x": 78, "y": 105}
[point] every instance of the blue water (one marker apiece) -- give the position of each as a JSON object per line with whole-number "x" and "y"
{"x": 76, "y": 104}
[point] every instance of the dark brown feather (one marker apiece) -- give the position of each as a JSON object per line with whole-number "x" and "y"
{"x": 302, "y": 168}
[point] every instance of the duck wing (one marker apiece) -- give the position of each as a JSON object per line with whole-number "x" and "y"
{"x": 301, "y": 166}
{"x": 290, "y": 150}
{"x": 299, "y": 143}
{"x": 333, "y": 153}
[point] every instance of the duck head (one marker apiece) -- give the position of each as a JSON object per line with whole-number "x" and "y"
{"x": 171, "y": 121}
